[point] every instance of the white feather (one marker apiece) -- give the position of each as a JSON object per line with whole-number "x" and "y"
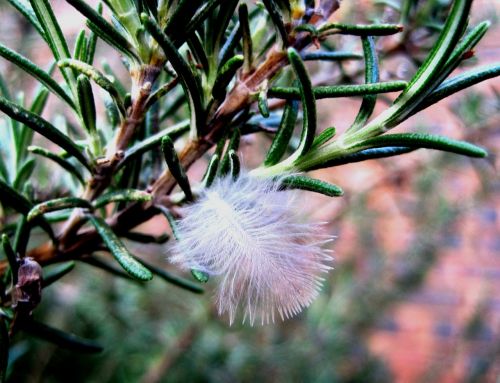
{"x": 249, "y": 234}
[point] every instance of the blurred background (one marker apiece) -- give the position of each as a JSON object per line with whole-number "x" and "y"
{"x": 415, "y": 293}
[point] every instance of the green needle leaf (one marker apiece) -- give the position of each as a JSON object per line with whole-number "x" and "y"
{"x": 54, "y": 273}
{"x": 27, "y": 12}
{"x": 226, "y": 73}
{"x": 275, "y": 14}
{"x": 11, "y": 257}
{"x": 99, "y": 78}
{"x": 311, "y": 184}
{"x": 24, "y": 173}
{"x": 371, "y": 76}
{"x": 211, "y": 171}
{"x": 234, "y": 164}
{"x": 458, "y": 83}
{"x": 175, "y": 280}
{"x": 293, "y": 93}
{"x": 234, "y": 143}
{"x": 103, "y": 29}
{"x": 146, "y": 238}
{"x": 420, "y": 140}
{"x": 126, "y": 195}
{"x": 363, "y": 155}
{"x": 190, "y": 84}
{"x": 284, "y": 134}
{"x": 323, "y": 137}
{"x": 57, "y": 204}
{"x": 330, "y": 56}
{"x": 175, "y": 167}
{"x": 360, "y": 30}
{"x": 153, "y": 141}
{"x": 54, "y": 36}
{"x": 37, "y": 72}
{"x": 247, "y": 38}
{"x": 60, "y": 338}
{"x": 423, "y": 81}
{"x": 11, "y": 198}
{"x": 119, "y": 251}
{"x": 87, "y": 104}
{"x": 43, "y": 127}
{"x": 66, "y": 165}
{"x": 308, "y": 103}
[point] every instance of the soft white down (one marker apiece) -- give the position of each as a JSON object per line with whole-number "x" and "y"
{"x": 248, "y": 233}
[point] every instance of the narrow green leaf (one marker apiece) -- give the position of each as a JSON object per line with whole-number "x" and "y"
{"x": 108, "y": 267}
{"x": 234, "y": 143}
{"x": 60, "y": 338}
{"x": 119, "y": 251}
{"x": 175, "y": 167}
{"x": 15, "y": 200}
{"x": 458, "y": 83}
{"x": 66, "y": 165}
{"x": 103, "y": 29}
{"x": 293, "y": 93}
{"x": 11, "y": 198}
{"x": 201, "y": 14}
{"x": 200, "y": 276}
{"x": 323, "y": 137}
{"x": 308, "y": 103}
{"x": 171, "y": 220}
{"x": 24, "y": 173}
{"x": 175, "y": 280}
{"x": 262, "y": 103}
{"x": 92, "y": 42}
{"x": 153, "y": 141}
{"x": 178, "y": 15}
{"x": 99, "y": 78}
{"x": 223, "y": 18}
{"x": 22, "y": 236}
{"x": 311, "y": 184}
{"x": 57, "y": 204}
{"x": 211, "y": 172}
{"x": 275, "y": 14}
{"x": 424, "y": 80}
{"x": 464, "y": 46}
{"x": 162, "y": 91}
{"x": 190, "y": 84}
{"x": 225, "y": 75}
{"x": 35, "y": 71}
{"x": 330, "y": 56}
{"x": 54, "y": 273}
{"x": 80, "y": 49}
{"x": 4, "y": 349}
{"x": 360, "y": 30}
{"x": 126, "y": 195}
{"x": 420, "y": 140}
{"x": 234, "y": 164}
{"x": 371, "y": 76}
{"x": 29, "y": 15}
{"x": 230, "y": 45}
{"x": 247, "y": 38}
{"x": 284, "y": 134}
{"x": 363, "y": 155}
{"x": 86, "y": 103}
{"x": 11, "y": 257}
{"x": 146, "y": 238}
{"x": 54, "y": 36}
{"x": 43, "y": 127}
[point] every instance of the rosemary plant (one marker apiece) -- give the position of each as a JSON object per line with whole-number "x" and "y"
{"x": 241, "y": 70}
